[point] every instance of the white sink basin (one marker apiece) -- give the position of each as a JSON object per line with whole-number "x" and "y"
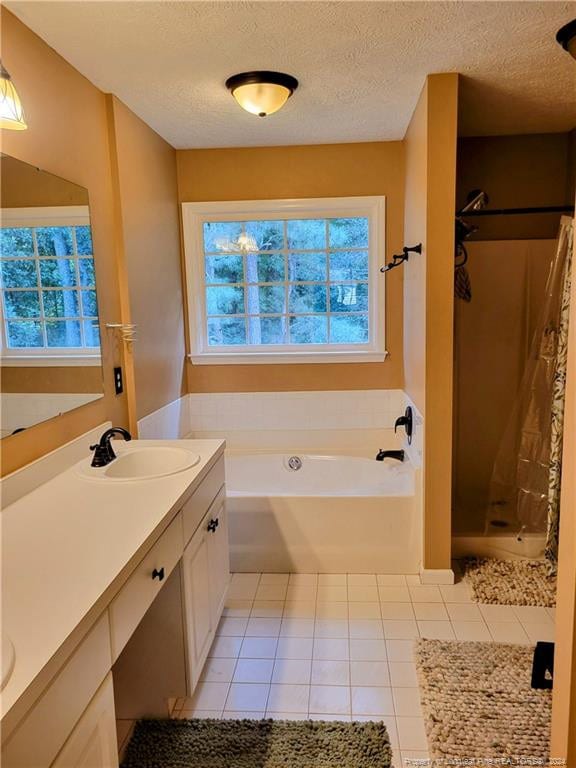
{"x": 8, "y": 659}
{"x": 143, "y": 464}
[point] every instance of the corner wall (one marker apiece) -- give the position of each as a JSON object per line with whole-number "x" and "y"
{"x": 429, "y": 298}
{"x": 330, "y": 170}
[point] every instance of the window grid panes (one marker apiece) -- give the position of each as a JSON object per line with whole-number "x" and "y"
{"x": 287, "y": 282}
{"x": 48, "y": 287}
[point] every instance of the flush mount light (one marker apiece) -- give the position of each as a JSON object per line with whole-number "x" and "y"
{"x": 11, "y": 112}
{"x": 566, "y": 36}
{"x": 262, "y": 93}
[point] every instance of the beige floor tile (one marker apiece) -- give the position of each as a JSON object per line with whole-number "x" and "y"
{"x": 226, "y": 647}
{"x": 456, "y": 593}
{"x": 332, "y": 610}
{"x": 411, "y": 733}
{"x": 263, "y": 627}
{"x": 329, "y": 699}
{"x": 366, "y": 629}
{"x": 365, "y": 673}
{"x": 199, "y": 714}
{"x": 210, "y": 696}
{"x": 325, "y": 672}
{"x": 532, "y": 614}
{"x": 539, "y": 632}
{"x": 498, "y": 613}
{"x": 267, "y": 609}
{"x": 301, "y": 592}
{"x": 331, "y": 649}
{"x": 271, "y": 592}
{"x": 464, "y": 612}
{"x": 436, "y": 630}
{"x": 308, "y": 579}
{"x": 391, "y": 580}
{"x": 403, "y": 674}
{"x": 400, "y": 630}
{"x": 288, "y": 698}
{"x": 299, "y": 609}
{"x": 294, "y": 648}
{"x": 248, "y": 696}
{"x": 372, "y": 700}
{"x": 332, "y": 579}
{"x": 253, "y": 671}
{"x": 413, "y": 580}
{"x": 365, "y": 610}
{"x": 331, "y": 628}
{"x": 292, "y": 671}
{"x": 286, "y": 715}
{"x": 258, "y": 648}
{"x": 397, "y": 611}
{"x": 431, "y": 612}
{"x": 361, "y": 580}
{"x": 330, "y": 717}
{"x": 329, "y": 593}
{"x": 471, "y": 630}
{"x": 231, "y": 627}
{"x": 394, "y": 594}
{"x": 218, "y": 670}
{"x": 400, "y": 650}
{"x": 297, "y": 628}
{"x": 274, "y": 578}
{"x": 508, "y": 632}
{"x": 243, "y": 715}
{"x": 407, "y": 702}
{"x": 425, "y": 594}
{"x": 362, "y": 593}
{"x": 239, "y": 609}
{"x": 367, "y": 650}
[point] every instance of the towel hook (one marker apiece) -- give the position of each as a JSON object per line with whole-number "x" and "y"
{"x": 399, "y": 258}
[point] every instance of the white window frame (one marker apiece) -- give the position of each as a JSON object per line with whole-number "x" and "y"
{"x": 194, "y": 215}
{"x": 45, "y": 216}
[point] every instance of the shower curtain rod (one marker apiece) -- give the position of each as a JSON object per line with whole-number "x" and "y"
{"x": 518, "y": 211}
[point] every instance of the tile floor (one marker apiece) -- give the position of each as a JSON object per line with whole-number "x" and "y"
{"x": 339, "y": 647}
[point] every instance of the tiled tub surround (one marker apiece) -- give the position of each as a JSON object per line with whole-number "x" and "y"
{"x": 341, "y": 647}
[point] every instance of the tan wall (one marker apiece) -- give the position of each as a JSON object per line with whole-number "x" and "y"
{"x": 145, "y": 175}
{"x": 76, "y": 379}
{"x": 517, "y": 172}
{"x": 67, "y": 135}
{"x": 25, "y": 186}
{"x": 335, "y": 170}
{"x": 429, "y": 297}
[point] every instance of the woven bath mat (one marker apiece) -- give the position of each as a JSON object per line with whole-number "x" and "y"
{"x": 510, "y": 582}
{"x": 257, "y": 744}
{"x": 478, "y": 703}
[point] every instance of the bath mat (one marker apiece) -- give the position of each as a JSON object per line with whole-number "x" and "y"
{"x": 510, "y": 582}
{"x": 257, "y": 744}
{"x": 478, "y": 704}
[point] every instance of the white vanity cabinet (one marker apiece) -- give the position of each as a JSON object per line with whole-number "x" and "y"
{"x": 205, "y": 575}
{"x": 153, "y": 626}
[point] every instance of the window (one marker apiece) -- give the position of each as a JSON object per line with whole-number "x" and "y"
{"x": 49, "y": 307}
{"x": 285, "y": 280}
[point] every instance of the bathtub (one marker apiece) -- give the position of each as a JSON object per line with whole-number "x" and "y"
{"x": 326, "y": 514}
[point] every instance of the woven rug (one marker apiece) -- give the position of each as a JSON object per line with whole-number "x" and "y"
{"x": 478, "y": 704}
{"x": 257, "y": 744}
{"x": 510, "y": 582}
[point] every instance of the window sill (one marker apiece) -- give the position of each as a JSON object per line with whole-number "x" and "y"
{"x": 282, "y": 358}
{"x": 50, "y": 361}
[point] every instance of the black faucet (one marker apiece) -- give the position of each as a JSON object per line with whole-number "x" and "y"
{"x": 398, "y": 455}
{"x": 103, "y": 451}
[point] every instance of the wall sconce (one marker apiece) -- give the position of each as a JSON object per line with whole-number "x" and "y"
{"x": 566, "y": 36}
{"x": 11, "y": 112}
{"x": 262, "y": 93}
{"x": 400, "y": 258}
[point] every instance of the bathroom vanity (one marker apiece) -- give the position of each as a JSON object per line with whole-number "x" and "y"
{"x": 113, "y": 586}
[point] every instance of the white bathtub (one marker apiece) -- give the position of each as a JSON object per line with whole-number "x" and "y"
{"x": 335, "y": 514}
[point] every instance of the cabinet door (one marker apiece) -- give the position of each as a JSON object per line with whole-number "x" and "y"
{"x": 218, "y": 555}
{"x": 197, "y": 603}
{"x": 92, "y": 743}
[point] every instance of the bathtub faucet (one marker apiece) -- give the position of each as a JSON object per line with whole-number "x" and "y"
{"x": 381, "y": 455}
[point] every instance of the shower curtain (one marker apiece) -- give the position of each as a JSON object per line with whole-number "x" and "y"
{"x": 525, "y": 485}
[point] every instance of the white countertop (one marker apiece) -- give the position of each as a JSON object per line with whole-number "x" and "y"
{"x": 64, "y": 545}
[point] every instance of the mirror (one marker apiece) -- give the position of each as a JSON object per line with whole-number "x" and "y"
{"x": 50, "y": 338}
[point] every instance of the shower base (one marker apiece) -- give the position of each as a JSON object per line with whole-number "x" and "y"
{"x": 506, "y": 546}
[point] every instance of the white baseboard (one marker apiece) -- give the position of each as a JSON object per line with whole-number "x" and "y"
{"x": 437, "y": 576}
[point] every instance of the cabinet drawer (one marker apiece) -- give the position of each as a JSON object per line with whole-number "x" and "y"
{"x": 39, "y": 738}
{"x": 197, "y": 505}
{"x": 136, "y": 596}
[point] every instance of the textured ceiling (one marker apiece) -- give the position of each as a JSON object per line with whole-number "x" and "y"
{"x": 361, "y": 65}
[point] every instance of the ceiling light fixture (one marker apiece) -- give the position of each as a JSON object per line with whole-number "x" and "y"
{"x": 566, "y": 36}
{"x": 262, "y": 93}
{"x": 11, "y": 112}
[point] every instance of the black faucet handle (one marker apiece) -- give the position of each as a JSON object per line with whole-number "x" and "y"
{"x": 406, "y": 421}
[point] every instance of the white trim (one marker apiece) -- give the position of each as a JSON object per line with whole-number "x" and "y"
{"x": 193, "y": 216}
{"x": 437, "y": 576}
{"x": 54, "y": 216}
{"x": 170, "y": 422}
{"x": 49, "y": 361}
